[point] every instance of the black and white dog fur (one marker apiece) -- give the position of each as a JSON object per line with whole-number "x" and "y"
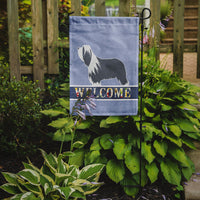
{"x": 100, "y": 69}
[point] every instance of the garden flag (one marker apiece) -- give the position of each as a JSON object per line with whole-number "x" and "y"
{"x": 104, "y": 60}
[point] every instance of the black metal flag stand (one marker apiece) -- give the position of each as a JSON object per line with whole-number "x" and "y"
{"x": 141, "y": 84}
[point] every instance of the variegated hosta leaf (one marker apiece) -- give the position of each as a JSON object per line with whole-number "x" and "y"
{"x": 10, "y": 177}
{"x": 30, "y": 175}
{"x": 91, "y": 172}
{"x": 10, "y": 188}
{"x": 50, "y": 160}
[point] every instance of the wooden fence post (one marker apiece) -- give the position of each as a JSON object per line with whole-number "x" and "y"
{"x": 37, "y": 38}
{"x": 52, "y": 37}
{"x": 100, "y": 8}
{"x": 124, "y": 8}
{"x": 178, "y": 47}
{"x": 198, "y": 44}
{"x": 155, "y": 27}
{"x": 132, "y": 8}
{"x": 14, "y": 44}
{"x": 76, "y": 7}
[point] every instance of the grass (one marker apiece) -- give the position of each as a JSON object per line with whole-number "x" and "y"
{"x": 140, "y": 2}
{"x": 114, "y": 3}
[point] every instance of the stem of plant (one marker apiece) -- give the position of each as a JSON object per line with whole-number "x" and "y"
{"x": 61, "y": 145}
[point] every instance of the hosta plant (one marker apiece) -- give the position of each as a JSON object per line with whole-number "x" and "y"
{"x": 170, "y": 123}
{"x": 54, "y": 180}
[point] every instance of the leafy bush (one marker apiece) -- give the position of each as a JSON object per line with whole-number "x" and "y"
{"x": 54, "y": 180}
{"x": 170, "y": 123}
{"x": 20, "y": 107}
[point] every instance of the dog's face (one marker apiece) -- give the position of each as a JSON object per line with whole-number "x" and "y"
{"x": 85, "y": 54}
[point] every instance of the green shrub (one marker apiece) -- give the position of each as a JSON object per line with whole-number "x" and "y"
{"x": 54, "y": 180}
{"x": 20, "y": 107}
{"x": 57, "y": 179}
{"x": 170, "y": 123}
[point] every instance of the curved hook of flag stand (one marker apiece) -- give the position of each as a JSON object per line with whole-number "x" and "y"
{"x": 141, "y": 84}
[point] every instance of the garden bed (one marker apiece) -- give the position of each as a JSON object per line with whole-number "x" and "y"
{"x": 109, "y": 191}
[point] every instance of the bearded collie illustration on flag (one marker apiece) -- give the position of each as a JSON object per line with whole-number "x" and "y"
{"x": 104, "y": 60}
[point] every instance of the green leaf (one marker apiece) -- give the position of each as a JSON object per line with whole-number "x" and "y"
{"x": 128, "y": 184}
{"x": 62, "y": 122}
{"x": 185, "y": 106}
{"x": 33, "y": 188}
{"x": 171, "y": 172}
{"x": 191, "y": 100}
{"x": 175, "y": 130}
{"x": 95, "y": 146}
{"x": 147, "y": 153}
{"x": 29, "y": 196}
{"x": 10, "y": 188}
{"x": 65, "y": 191}
{"x": 30, "y": 175}
{"x": 148, "y": 114}
{"x": 91, "y": 171}
{"x": 179, "y": 155}
{"x": 84, "y": 125}
{"x": 174, "y": 140}
{"x": 68, "y": 154}
{"x": 186, "y": 125}
{"x": 31, "y": 166}
{"x": 78, "y": 144}
{"x": 64, "y": 103}
{"x": 46, "y": 182}
{"x": 188, "y": 142}
{"x": 115, "y": 170}
{"x": 16, "y": 197}
{"x": 10, "y": 177}
{"x": 188, "y": 171}
{"x": 92, "y": 157}
{"x": 114, "y": 119}
{"x": 61, "y": 168}
{"x": 52, "y": 112}
{"x": 103, "y": 124}
{"x": 160, "y": 147}
{"x": 78, "y": 157}
{"x": 174, "y": 87}
{"x": 152, "y": 171}
{"x": 60, "y": 135}
{"x": 106, "y": 141}
{"x": 165, "y": 107}
{"x": 50, "y": 160}
{"x": 132, "y": 161}
{"x": 119, "y": 148}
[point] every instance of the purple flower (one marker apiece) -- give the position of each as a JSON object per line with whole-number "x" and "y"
{"x": 81, "y": 114}
{"x": 84, "y": 105}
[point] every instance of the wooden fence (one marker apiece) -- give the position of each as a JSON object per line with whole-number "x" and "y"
{"x": 45, "y": 34}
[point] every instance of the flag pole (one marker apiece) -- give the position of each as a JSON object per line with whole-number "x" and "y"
{"x": 141, "y": 84}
